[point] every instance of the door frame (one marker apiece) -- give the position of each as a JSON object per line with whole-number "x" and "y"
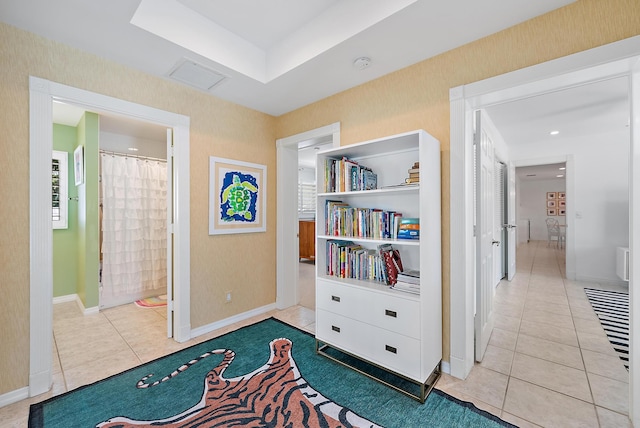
{"x": 42, "y": 93}
{"x": 612, "y": 60}
{"x": 287, "y": 293}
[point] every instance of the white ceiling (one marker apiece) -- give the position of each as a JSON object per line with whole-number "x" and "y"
{"x": 278, "y": 55}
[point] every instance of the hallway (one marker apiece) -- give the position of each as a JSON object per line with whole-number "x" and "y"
{"x": 549, "y": 362}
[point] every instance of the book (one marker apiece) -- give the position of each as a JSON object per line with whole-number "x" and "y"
{"x": 410, "y": 226}
{"x": 414, "y": 171}
{"x": 414, "y": 175}
{"x": 392, "y": 262}
{"x": 409, "y": 220}
{"x": 412, "y": 180}
{"x": 410, "y": 279}
{"x": 406, "y": 287}
{"x": 370, "y": 181}
{"x": 408, "y": 234}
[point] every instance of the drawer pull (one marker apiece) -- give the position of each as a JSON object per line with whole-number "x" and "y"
{"x": 391, "y": 349}
{"x": 336, "y": 329}
{"x": 335, "y": 298}
{"x": 392, "y": 314}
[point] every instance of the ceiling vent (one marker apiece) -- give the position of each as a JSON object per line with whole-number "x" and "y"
{"x": 196, "y": 75}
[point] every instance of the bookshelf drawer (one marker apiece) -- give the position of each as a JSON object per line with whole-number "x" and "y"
{"x": 396, "y": 352}
{"x": 380, "y": 309}
{"x": 342, "y": 332}
{"x": 338, "y": 299}
{"x": 394, "y": 314}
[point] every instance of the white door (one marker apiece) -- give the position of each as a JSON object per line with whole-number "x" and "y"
{"x": 512, "y": 235}
{"x": 170, "y": 215}
{"x": 499, "y": 220}
{"x": 484, "y": 237}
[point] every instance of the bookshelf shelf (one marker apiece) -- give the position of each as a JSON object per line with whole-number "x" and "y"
{"x": 400, "y": 242}
{"x": 398, "y": 331}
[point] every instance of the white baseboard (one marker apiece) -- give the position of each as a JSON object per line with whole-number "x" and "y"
{"x": 65, "y": 299}
{"x": 14, "y": 396}
{"x": 199, "y": 331}
{"x": 605, "y": 281}
{"x": 445, "y": 367}
{"x": 78, "y": 300}
{"x": 459, "y": 367}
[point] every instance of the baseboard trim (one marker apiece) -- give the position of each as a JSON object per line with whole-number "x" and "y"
{"x": 445, "y": 367}
{"x": 606, "y": 281}
{"x": 65, "y": 299}
{"x": 75, "y": 298}
{"x": 458, "y": 367}
{"x": 199, "y": 331}
{"x": 14, "y": 396}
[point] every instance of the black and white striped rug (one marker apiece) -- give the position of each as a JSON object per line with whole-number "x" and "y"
{"x": 612, "y": 308}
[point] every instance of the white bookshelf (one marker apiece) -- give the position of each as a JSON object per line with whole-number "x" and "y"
{"x": 393, "y": 330}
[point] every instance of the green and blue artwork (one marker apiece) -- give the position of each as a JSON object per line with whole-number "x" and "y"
{"x": 238, "y": 197}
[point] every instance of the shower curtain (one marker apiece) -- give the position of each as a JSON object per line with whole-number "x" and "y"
{"x": 134, "y": 225}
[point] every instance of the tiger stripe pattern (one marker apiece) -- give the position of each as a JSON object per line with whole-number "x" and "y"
{"x": 273, "y": 395}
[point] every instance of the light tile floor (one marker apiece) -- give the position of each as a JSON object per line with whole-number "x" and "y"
{"x": 548, "y": 362}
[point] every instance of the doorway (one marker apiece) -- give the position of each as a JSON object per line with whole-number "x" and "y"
{"x": 287, "y": 292}
{"x": 133, "y": 255}
{"x": 42, "y": 94}
{"x": 616, "y": 60}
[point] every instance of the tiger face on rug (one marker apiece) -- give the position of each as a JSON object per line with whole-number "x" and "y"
{"x": 274, "y": 395}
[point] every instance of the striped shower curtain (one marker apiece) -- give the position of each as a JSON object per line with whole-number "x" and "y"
{"x": 134, "y": 224}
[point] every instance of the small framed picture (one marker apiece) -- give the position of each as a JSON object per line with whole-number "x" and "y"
{"x": 562, "y": 203}
{"x": 561, "y": 195}
{"x": 562, "y": 211}
{"x": 552, "y": 211}
{"x": 551, "y": 203}
{"x": 78, "y": 165}
{"x": 551, "y": 196}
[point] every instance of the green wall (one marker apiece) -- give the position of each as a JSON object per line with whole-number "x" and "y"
{"x": 65, "y": 241}
{"x": 76, "y": 250}
{"x": 88, "y": 213}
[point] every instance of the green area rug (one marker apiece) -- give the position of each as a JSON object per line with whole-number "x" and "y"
{"x": 263, "y": 375}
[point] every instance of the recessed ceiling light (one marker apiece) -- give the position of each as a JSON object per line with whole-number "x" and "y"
{"x": 554, "y": 132}
{"x": 562, "y": 168}
{"x": 559, "y": 175}
{"x": 133, "y": 149}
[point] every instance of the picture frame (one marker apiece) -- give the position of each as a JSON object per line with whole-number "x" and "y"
{"x": 78, "y": 165}
{"x": 562, "y": 211}
{"x": 562, "y": 203}
{"x": 237, "y": 196}
{"x": 551, "y": 203}
{"x": 552, "y": 211}
{"x": 562, "y": 195}
{"x": 551, "y": 196}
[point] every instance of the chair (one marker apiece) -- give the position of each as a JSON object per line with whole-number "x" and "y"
{"x": 553, "y": 232}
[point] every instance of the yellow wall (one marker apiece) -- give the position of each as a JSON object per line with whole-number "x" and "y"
{"x": 218, "y": 128}
{"x": 417, "y": 97}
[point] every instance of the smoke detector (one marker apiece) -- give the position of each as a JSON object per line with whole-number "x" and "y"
{"x": 362, "y": 63}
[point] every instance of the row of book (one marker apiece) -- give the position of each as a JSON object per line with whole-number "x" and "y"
{"x": 345, "y": 259}
{"x": 346, "y": 175}
{"x": 347, "y": 221}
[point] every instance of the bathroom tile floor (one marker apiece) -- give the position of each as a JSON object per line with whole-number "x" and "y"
{"x": 548, "y": 362}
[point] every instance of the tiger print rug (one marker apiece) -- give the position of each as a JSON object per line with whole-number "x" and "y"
{"x": 217, "y": 384}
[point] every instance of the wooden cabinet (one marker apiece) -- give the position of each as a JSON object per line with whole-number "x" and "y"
{"x": 398, "y": 331}
{"x": 307, "y": 239}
